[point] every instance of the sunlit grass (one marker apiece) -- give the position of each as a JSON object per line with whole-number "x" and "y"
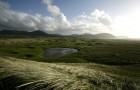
{"x": 66, "y": 76}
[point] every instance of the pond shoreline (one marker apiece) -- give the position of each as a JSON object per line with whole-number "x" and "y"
{"x": 58, "y": 52}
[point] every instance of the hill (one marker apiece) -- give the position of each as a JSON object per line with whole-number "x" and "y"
{"x": 98, "y": 36}
{"x": 39, "y": 33}
{"x": 17, "y": 33}
{"x": 19, "y": 74}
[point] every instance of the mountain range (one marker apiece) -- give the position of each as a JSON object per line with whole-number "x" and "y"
{"x": 39, "y": 33}
{"x": 17, "y": 33}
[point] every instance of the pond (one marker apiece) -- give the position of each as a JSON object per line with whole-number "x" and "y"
{"x": 57, "y": 52}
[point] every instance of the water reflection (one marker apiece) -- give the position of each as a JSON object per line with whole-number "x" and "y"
{"x": 56, "y": 52}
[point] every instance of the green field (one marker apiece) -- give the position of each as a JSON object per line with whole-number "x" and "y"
{"x": 112, "y": 52}
{"x": 111, "y": 64}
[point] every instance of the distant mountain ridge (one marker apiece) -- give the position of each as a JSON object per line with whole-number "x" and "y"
{"x": 98, "y": 36}
{"x": 17, "y": 33}
{"x": 39, "y": 33}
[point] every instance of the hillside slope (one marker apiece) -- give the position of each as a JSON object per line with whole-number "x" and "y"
{"x": 17, "y": 33}
{"x": 39, "y": 33}
{"x": 31, "y": 75}
{"x": 98, "y": 36}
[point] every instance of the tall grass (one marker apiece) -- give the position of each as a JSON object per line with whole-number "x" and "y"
{"x": 32, "y": 75}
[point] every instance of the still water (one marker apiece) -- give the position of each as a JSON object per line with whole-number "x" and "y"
{"x": 57, "y": 52}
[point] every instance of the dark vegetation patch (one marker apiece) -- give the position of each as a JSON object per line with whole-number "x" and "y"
{"x": 128, "y": 85}
{"x": 10, "y": 82}
{"x": 98, "y": 43}
{"x": 29, "y": 56}
{"x": 31, "y": 47}
{"x": 18, "y": 83}
{"x": 15, "y": 52}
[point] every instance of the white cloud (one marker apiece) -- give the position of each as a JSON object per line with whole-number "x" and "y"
{"x": 96, "y": 22}
{"x": 24, "y": 21}
{"x": 103, "y": 17}
{"x": 48, "y": 1}
{"x": 58, "y": 15}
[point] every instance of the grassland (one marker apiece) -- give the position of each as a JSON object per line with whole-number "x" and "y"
{"x": 98, "y": 64}
{"x": 111, "y": 52}
{"x": 31, "y": 75}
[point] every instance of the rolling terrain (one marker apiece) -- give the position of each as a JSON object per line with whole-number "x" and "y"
{"x": 22, "y": 74}
{"x": 108, "y": 51}
{"x": 99, "y": 64}
{"x": 39, "y": 33}
{"x": 18, "y": 33}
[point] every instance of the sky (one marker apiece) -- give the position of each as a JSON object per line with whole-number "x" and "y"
{"x": 118, "y": 17}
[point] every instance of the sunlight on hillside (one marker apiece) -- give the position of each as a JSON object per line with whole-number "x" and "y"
{"x": 37, "y": 75}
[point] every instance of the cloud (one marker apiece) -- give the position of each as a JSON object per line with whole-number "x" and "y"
{"x": 97, "y": 22}
{"x": 103, "y": 17}
{"x": 48, "y": 2}
{"x": 24, "y": 21}
{"x": 55, "y": 11}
